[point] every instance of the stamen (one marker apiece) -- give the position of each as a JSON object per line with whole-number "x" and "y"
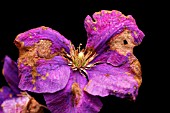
{"x": 79, "y": 48}
{"x": 81, "y": 55}
{"x": 79, "y": 59}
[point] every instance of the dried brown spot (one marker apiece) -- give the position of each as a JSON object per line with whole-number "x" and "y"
{"x": 43, "y": 77}
{"x": 43, "y": 48}
{"x": 47, "y": 74}
{"x": 19, "y": 44}
{"x": 34, "y": 88}
{"x": 107, "y": 75}
{"x": 1, "y": 90}
{"x": 10, "y": 95}
{"x": 136, "y": 69}
{"x": 44, "y": 28}
{"x": 33, "y": 81}
{"x": 128, "y": 73}
{"x": 30, "y": 55}
{"x": 107, "y": 11}
{"x": 76, "y": 91}
{"x": 33, "y": 106}
{"x": 135, "y": 87}
{"x": 3, "y": 71}
{"x": 123, "y": 42}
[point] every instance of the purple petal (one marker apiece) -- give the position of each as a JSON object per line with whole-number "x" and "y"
{"x": 34, "y": 36}
{"x": 1, "y": 111}
{"x": 5, "y": 93}
{"x": 15, "y": 105}
{"x": 72, "y": 99}
{"x": 10, "y": 72}
{"x": 108, "y": 24}
{"x": 46, "y": 76}
{"x": 104, "y": 80}
{"x": 39, "y": 62}
{"x": 111, "y": 57}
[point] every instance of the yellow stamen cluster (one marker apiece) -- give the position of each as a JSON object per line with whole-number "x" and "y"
{"x": 80, "y": 59}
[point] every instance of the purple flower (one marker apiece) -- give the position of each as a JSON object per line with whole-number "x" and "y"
{"x": 73, "y": 79}
{"x": 12, "y": 99}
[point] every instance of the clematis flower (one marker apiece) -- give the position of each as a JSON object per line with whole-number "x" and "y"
{"x": 71, "y": 79}
{"x": 12, "y": 99}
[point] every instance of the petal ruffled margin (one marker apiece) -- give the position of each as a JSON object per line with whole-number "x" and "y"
{"x": 47, "y": 76}
{"x": 10, "y": 72}
{"x": 104, "y": 80}
{"x": 108, "y": 24}
{"x": 72, "y": 99}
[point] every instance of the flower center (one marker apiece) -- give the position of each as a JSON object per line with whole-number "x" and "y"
{"x": 79, "y": 59}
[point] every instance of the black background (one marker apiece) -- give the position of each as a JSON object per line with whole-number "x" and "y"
{"x": 68, "y": 18}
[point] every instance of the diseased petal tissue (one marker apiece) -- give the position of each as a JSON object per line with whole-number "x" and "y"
{"x": 46, "y": 76}
{"x": 72, "y": 99}
{"x": 104, "y": 80}
{"x": 41, "y": 68}
{"x": 108, "y": 24}
{"x": 72, "y": 79}
{"x": 5, "y": 93}
{"x": 15, "y": 105}
{"x": 123, "y": 43}
{"x": 113, "y": 36}
{"x": 10, "y": 72}
{"x": 22, "y": 103}
{"x": 38, "y": 36}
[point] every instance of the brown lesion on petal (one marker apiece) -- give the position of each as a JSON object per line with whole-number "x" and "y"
{"x": 44, "y": 28}
{"x": 136, "y": 69}
{"x": 34, "y": 88}
{"x": 10, "y": 95}
{"x": 122, "y": 42}
{"x": 30, "y": 55}
{"x": 107, "y": 75}
{"x": 1, "y": 90}
{"x": 44, "y": 77}
{"x": 76, "y": 91}
{"x": 32, "y": 106}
